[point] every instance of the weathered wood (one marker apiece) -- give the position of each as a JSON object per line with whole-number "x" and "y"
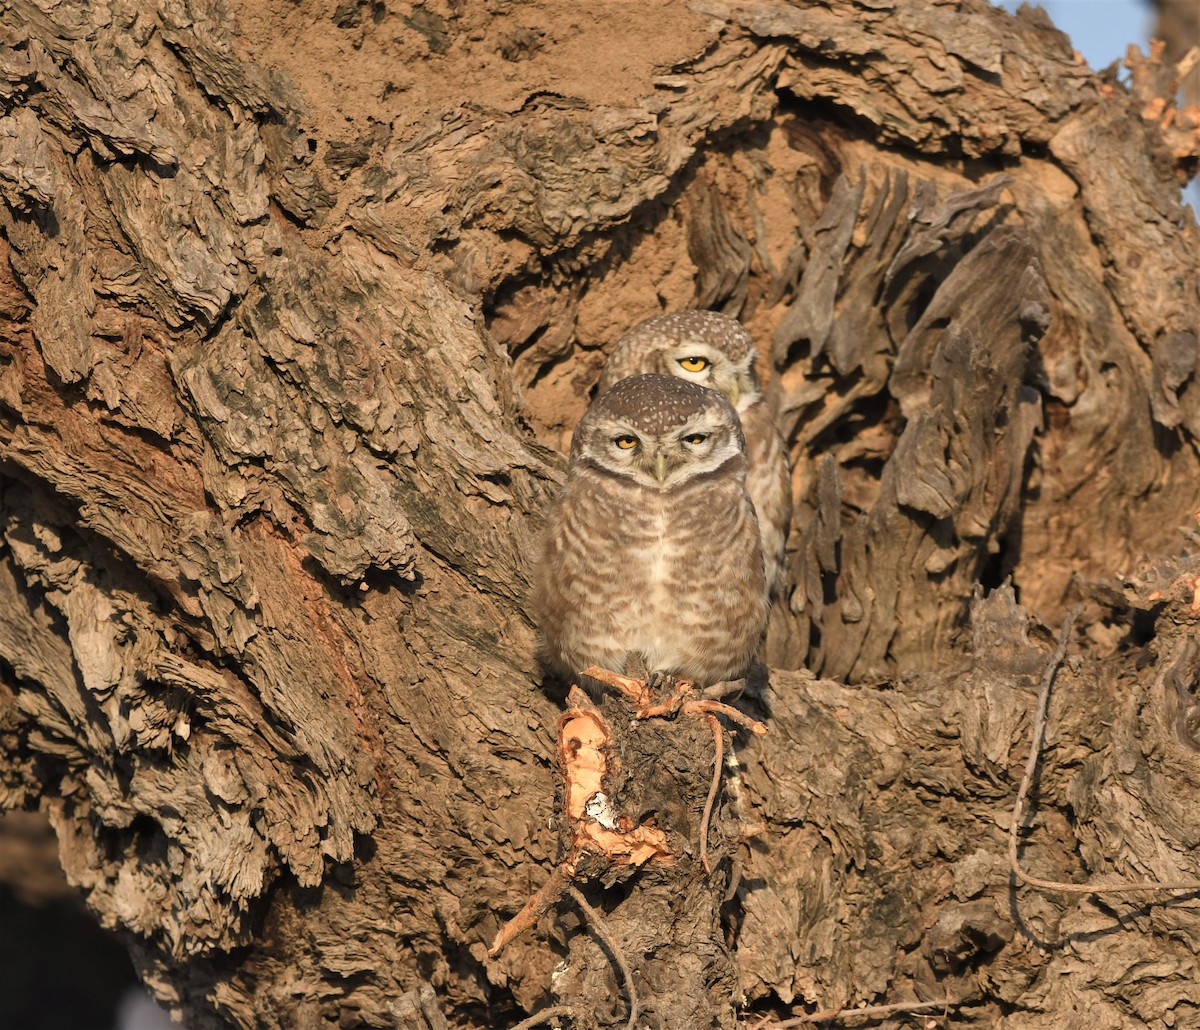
{"x": 294, "y": 319}
{"x": 860, "y": 912}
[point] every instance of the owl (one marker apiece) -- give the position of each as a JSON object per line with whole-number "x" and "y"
{"x": 651, "y": 557}
{"x": 714, "y": 350}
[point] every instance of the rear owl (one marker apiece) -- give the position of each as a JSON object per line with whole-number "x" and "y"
{"x": 713, "y": 350}
{"x": 651, "y": 557}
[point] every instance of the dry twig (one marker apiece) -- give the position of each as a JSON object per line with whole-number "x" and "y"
{"x": 535, "y": 907}
{"x": 546, "y": 897}
{"x": 714, "y": 724}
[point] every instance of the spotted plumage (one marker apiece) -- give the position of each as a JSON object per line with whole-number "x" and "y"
{"x": 714, "y": 350}
{"x": 651, "y": 556}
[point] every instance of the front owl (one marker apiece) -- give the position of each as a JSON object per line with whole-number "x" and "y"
{"x": 652, "y": 552}
{"x": 713, "y": 350}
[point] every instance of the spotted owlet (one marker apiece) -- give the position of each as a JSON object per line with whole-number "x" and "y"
{"x": 714, "y": 350}
{"x": 651, "y": 554}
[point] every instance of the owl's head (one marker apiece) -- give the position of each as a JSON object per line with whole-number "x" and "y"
{"x": 703, "y": 347}
{"x": 660, "y": 432}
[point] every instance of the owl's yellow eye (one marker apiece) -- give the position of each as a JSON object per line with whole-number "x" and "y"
{"x": 695, "y": 438}
{"x": 626, "y": 442}
{"x": 694, "y": 364}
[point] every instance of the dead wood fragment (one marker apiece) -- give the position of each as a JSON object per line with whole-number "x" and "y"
{"x": 600, "y": 835}
{"x": 547, "y": 896}
{"x": 603, "y": 838}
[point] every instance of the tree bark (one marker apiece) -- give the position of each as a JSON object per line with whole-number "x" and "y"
{"x": 296, "y": 316}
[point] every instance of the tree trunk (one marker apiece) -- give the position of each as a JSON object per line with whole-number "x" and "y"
{"x": 297, "y": 315}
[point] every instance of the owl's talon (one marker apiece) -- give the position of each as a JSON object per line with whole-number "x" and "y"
{"x": 635, "y": 690}
{"x": 681, "y": 690}
{"x": 660, "y": 681}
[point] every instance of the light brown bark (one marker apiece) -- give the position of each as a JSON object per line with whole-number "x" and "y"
{"x": 295, "y": 319}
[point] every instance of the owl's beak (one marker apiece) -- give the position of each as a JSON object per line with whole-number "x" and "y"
{"x": 660, "y": 466}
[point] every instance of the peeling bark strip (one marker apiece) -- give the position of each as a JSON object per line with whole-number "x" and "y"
{"x": 296, "y": 309}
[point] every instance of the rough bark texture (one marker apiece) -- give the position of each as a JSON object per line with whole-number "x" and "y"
{"x": 298, "y": 310}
